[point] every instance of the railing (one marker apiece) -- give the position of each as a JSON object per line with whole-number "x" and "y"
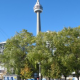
{"x": 1, "y": 71}
{"x": 38, "y": 7}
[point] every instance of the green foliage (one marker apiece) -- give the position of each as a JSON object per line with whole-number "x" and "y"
{"x": 24, "y": 47}
{"x": 16, "y": 50}
{"x": 42, "y": 53}
{"x": 67, "y": 43}
{"x": 55, "y": 70}
{"x": 26, "y": 72}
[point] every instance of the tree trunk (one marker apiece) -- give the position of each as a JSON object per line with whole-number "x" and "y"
{"x": 49, "y": 78}
{"x": 65, "y": 77}
{"x": 78, "y": 77}
{"x": 77, "y": 74}
{"x": 22, "y": 79}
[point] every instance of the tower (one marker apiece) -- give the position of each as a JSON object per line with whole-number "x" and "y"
{"x": 38, "y": 9}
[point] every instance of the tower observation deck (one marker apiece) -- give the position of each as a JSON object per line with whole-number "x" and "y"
{"x": 38, "y": 9}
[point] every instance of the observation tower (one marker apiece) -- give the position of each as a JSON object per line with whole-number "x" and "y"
{"x": 38, "y": 9}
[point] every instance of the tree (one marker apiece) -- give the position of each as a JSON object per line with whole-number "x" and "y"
{"x": 55, "y": 71}
{"x": 25, "y": 47}
{"x": 42, "y": 52}
{"x": 16, "y": 50}
{"x": 26, "y": 72}
{"x": 67, "y": 43}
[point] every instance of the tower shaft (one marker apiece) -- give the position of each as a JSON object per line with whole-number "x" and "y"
{"x": 38, "y": 23}
{"x": 38, "y": 9}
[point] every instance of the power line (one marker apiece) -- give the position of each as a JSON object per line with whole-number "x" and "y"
{"x": 3, "y": 33}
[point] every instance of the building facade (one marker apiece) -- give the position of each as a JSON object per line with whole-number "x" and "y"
{"x": 2, "y": 69}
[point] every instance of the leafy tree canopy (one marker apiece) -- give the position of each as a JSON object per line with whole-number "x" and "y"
{"x": 16, "y": 50}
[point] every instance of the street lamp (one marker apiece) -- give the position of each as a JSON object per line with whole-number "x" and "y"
{"x": 39, "y": 70}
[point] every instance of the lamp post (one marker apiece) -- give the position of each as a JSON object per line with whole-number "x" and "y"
{"x": 39, "y": 70}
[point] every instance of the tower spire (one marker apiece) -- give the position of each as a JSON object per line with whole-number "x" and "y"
{"x": 37, "y": 0}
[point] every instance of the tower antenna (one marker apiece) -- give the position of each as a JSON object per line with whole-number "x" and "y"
{"x": 37, "y": 0}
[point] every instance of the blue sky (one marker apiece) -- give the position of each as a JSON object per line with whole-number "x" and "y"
{"x": 16, "y": 15}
